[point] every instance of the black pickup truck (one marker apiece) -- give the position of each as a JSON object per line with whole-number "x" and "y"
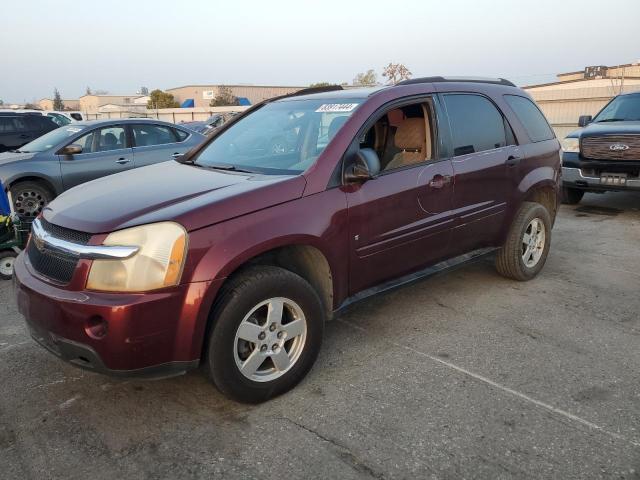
{"x": 605, "y": 154}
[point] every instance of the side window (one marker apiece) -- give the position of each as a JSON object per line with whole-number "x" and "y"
{"x": 103, "y": 140}
{"x": 403, "y": 136}
{"x": 146, "y": 135}
{"x": 476, "y": 124}
{"x": 76, "y": 116}
{"x": 531, "y": 118}
{"x": 181, "y": 134}
{"x": 6, "y": 125}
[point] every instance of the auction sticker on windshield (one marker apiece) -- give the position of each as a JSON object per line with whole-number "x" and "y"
{"x": 336, "y": 107}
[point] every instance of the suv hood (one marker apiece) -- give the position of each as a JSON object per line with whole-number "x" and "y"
{"x": 192, "y": 196}
{"x": 607, "y": 128}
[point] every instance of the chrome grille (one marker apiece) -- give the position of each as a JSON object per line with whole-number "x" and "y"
{"x": 625, "y": 147}
{"x": 54, "y": 265}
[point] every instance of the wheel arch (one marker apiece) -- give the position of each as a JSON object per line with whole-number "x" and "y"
{"x": 34, "y": 178}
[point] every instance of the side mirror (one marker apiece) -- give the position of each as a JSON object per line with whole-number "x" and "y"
{"x": 72, "y": 149}
{"x": 363, "y": 166}
{"x": 584, "y": 120}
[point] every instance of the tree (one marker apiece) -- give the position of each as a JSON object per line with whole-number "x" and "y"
{"x": 224, "y": 98}
{"x": 320, "y": 84}
{"x": 100, "y": 92}
{"x": 58, "y": 105}
{"x": 1, "y": 102}
{"x": 144, "y": 91}
{"x": 395, "y": 73}
{"x": 88, "y": 91}
{"x": 160, "y": 99}
{"x": 366, "y": 79}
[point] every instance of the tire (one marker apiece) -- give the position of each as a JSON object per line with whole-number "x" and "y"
{"x": 29, "y": 198}
{"x": 7, "y": 257}
{"x": 510, "y": 261}
{"x": 241, "y": 311}
{"x": 571, "y": 196}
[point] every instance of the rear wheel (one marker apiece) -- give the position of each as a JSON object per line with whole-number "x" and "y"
{"x": 7, "y": 259}
{"x": 524, "y": 253}
{"x": 572, "y": 196}
{"x": 29, "y": 198}
{"x": 267, "y": 332}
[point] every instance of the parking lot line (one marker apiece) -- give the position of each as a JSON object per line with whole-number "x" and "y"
{"x": 504, "y": 388}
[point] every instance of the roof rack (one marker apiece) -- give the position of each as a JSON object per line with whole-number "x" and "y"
{"x": 495, "y": 81}
{"x": 310, "y": 90}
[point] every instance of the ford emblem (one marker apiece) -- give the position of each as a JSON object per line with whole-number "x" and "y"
{"x": 618, "y": 147}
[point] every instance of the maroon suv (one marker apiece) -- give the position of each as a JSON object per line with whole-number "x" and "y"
{"x": 235, "y": 255}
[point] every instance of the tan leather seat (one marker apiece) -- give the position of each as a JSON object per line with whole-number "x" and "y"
{"x": 411, "y": 137}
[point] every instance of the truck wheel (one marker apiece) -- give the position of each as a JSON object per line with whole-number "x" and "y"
{"x": 7, "y": 258}
{"x": 29, "y": 198}
{"x": 527, "y": 246}
{"x": 266, "y": 335}
{"x": 571, "y": 196}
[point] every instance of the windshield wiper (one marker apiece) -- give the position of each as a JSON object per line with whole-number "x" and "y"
{"x": 224, "y": 166}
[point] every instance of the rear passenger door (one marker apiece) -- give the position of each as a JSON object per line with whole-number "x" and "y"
{"x": 154, "y": 143}
{"x": 484, "y": 156}
{"x": 13, "y": 133}
{"x": 105, "y": 151}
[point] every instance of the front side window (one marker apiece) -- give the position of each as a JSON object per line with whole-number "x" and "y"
{"x": 476, "y": 124}
{"x": 531, "y": 118}
{"x": 625, "y": 108}
{"x": 283, "y": 137}
{"x": 146, "y": 135}
{"x": 103, "y": 140}
{"x": 403, "y": 136}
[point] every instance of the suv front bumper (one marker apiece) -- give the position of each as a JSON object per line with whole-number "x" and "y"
{"x": 574, "y": 178}
{"x": 156, "y": 334}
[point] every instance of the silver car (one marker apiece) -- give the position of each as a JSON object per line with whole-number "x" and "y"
{"x": 83, "y": 151}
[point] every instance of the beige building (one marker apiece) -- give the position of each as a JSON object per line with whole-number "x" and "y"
{"x": 91, "y": 103}
{"x": 583, "y": 93}
{"x": 47, "y": 104}
{"x": 203, "y": 94}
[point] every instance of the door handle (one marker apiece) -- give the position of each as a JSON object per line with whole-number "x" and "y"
{"x": 177, "y": 155}
{"x": 439, "y": 181}
{"x": 122, "y": 161}
{"x": 513, "y": 160}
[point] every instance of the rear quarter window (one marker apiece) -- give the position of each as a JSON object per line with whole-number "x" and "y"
{"x": 531, "y": 118}
{"x": 181, "y": 134}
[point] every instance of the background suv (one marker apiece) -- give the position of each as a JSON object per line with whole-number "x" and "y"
{"x": 605, "y": 155}
{"x": 235, "y": 256}
{"x": 40, "y": 170}
{"x": 17, "y": 129}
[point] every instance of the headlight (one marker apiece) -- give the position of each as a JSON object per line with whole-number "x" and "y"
{"x": 571, "y": 144}
{"x": 158, "y": 263}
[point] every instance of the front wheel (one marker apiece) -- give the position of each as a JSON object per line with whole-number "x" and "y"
{"x": 7, "y": 259}
{"x": 29, "y": 198}
{"x": 267, "y": 332}
{"x": 524, "y": 253}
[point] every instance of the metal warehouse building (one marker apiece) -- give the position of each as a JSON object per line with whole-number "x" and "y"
{"x": 203, "y": 94}
{"x": 583, "y": 93}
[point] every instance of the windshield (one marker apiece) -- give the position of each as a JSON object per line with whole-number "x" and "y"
{"x": 283, "y": 137}
{"x": 622, "y": 108}
{"x": 51, "y": 139}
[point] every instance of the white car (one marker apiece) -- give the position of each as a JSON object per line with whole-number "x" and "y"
{"x": 64, "y": 118}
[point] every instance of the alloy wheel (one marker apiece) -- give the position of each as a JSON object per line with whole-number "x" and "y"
{"x": 533, "y": 242}
{"x": 270, "y": 339}
{"x": 29, "y": 203}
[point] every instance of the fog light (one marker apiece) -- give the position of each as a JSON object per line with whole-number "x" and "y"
{"x": 96, "y": 327}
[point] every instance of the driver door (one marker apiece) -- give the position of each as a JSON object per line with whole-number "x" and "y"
{"x": 400, "y": 221}
{"x": 105, "y": 151}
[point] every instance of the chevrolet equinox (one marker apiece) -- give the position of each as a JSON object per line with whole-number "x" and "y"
{"x": 235, "y": 255}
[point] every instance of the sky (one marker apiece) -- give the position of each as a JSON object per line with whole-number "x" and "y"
{"x": 119, "y": 46}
